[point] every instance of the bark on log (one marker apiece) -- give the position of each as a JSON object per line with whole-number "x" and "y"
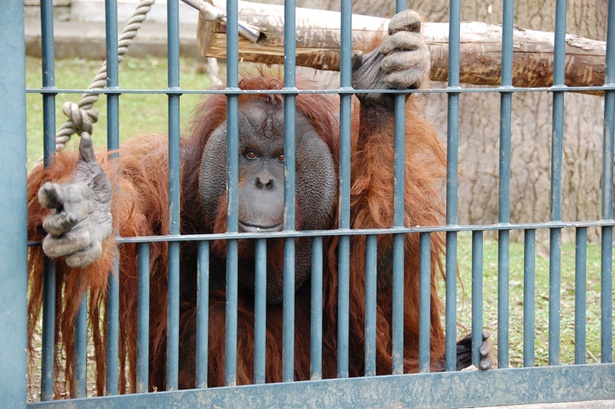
{"x": 318, "y": 44}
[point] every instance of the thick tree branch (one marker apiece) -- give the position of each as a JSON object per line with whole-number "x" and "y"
{"x": 318, "y": 44}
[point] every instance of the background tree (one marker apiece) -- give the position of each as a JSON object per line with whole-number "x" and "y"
{"x": 531, "y": 120}
{"x": 531, "y": 126}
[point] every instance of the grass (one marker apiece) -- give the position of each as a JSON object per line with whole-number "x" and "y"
{"x": 139, "y": 113}
{"x": 147, "y": 114}
{"x": 541, "y": 303}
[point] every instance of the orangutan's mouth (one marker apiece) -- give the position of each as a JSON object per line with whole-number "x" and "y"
{"x": 251, "y": 228}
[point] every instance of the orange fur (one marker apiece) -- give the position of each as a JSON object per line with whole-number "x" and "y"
{"x": 140, "y": 208}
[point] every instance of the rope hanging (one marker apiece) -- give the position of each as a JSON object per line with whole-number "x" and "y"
{"x": 81, "y": 116}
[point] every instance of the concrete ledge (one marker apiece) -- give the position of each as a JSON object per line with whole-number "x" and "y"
{"x": 599, "y": 404}
{"x": 87, "y": 39}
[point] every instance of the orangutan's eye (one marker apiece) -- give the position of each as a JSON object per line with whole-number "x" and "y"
{"x": 250, "y": 154}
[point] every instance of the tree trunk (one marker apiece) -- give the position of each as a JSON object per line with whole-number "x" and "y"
{"x": 531, "y": 121}
{"x": 531, "y": 127}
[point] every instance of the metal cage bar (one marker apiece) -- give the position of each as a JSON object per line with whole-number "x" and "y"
{"x": 343, "y": 314}
{"x": 529, "y": 290}
{"x": 232, "y": 89}
{"x": 452, "y": 155}
{"x": 202, "y": 317}
{"x": 13, "y": 202}
{"x": 316, "y": 309}
{"x": 113, "y": 292}
{"x": 80, "y": 350}
{"x": 399, "y": 212}
{"x": 172, "y": 368}
{"x": 468, "y": 389}
{"x": 504, "y": 183}
{"x": 477, "y": 296}
{"x": 371, "y": 286}
{"x": 580, "y": 296}
{"x": 49, "y": 149}
{"x": 143, "y": 304}
{"x": 556, "y": 183}
{"x": 260, "y": 311}
{"x": 425, "y": 302}
{"x": 288, "y": 359}
{"x": 606, "y": 305}
{"x": 48, "y": 62}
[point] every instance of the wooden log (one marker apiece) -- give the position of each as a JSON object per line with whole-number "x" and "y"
{"x": 318, "y": 35}
{"x": 318, "y": 44}
{"x": 481, "y": 56}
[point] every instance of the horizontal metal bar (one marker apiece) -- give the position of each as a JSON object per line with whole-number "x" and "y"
{"x": 442, "y": 390}
{"x": 358, "y": 232}
{"x": 237, "y": 91}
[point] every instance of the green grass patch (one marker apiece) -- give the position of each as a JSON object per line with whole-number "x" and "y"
{"x": 541, "y": 299}
{"x": 138, "y": 113}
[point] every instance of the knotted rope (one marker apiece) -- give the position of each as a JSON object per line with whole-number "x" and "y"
{"x": 80, "y": 115}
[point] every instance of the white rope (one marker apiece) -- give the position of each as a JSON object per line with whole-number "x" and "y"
{"x": 81, "y": 116}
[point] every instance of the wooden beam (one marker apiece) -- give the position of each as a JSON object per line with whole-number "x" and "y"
{"x": 318, "y": 44}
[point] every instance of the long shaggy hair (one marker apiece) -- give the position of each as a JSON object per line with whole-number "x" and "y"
{"x": 140, "y": 208}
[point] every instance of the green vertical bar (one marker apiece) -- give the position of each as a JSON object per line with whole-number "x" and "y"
{"x": 174, "y": 194}
{"x": 202, "y": 316}
{"x": 288, "y": 362}
{"x": 113, "y": 291}
{"x": 289, "y": 266}
{"x": 13, "y": 240}
{"x": 48, "y": 60}
{"x": 425, "y": 303}
{"x": 80, "y": 350}
{"x": 606, "y": 305}
{"x": 606, "y": 302}
{"x": 529, "y": 290}
{"x": 232, "y": 87}
{"x": 399, "y": 239}
{"x": 343, "y": 314}
{"x": 504, "y": 183}
{"x": 399, "y": 211}
{"x": 451, "y": 183}
{"x": 477, "y": 296}
{"x": 316, "y": 310}
{"x": 580, "y": 296}
{"x": 260, "y": 311}
{"x": 371, "y": 287}
{"x": 49, "y": 150}
{"x": 143, "y": 304}
{"x": 559, "y": 55}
